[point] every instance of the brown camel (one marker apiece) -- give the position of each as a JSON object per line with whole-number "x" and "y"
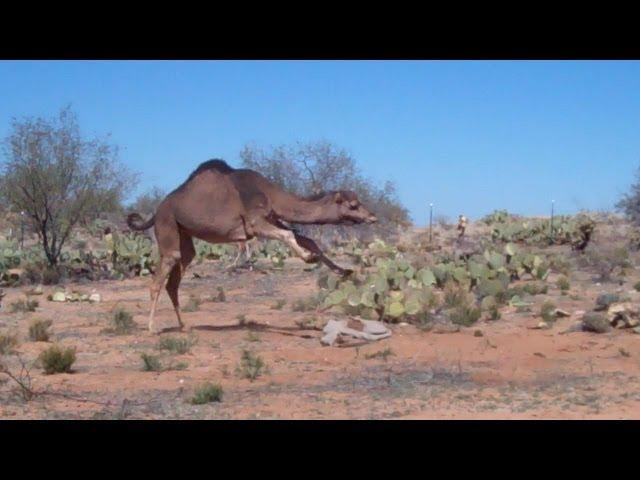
{"x": 220, "y": 204}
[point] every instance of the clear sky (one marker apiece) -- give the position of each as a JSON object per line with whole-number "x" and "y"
{"x": 469, "y": 136}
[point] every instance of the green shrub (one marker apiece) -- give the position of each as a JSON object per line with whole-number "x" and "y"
{"x": 8, "y": 342}
{"x": 563, "y": 284}
{"x": 279, "y": 304}
{"x": 547, "y": 312}
{"x": 465, "y": 315}
{"x": 150, "y": 363}
{"x": 220, "y": 296}
{"x": 305, "y": 304}
{"x": 251, "y": 366}
{"x": 121, "y": 322}
{"x": 175, "y": 345}
{"x": 207, "y": 393}
{"x": 26, "y": 305}
{"x": 56, "y": 359}
{"x": 253, "y": 337}
{"x": 636, "y": 286}
{"x": 535, "y": 288}
{"x": 193, "y": 305}
{"x": 39, "y": 330}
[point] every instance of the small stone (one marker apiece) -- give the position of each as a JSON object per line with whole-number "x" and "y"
{"x": 595, "y": 322}
{"x": 579, "y": 313}
{"x": 95, "y": 297}
{"x": 636, "y": 330}
{"x": 59, "y": 297}
{"x": 561, "y": 313}
{"x": 478, "y": 333}
{"x": 605, "y": 300}
{"x": 542, "y": 326}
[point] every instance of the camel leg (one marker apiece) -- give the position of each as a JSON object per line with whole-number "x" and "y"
{"x": 167, "y": 262}
{"x": 313, "y": 247}
{"x": 317, "y": 253}
{"x": 264, "y": 228}
{"x": 167, "y": 235}
{"x": 187, "y": 254}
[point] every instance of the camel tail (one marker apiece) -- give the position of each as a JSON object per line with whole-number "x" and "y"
{"x": 136, "y": 222}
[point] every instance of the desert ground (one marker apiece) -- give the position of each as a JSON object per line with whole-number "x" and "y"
{"x": 494, "y": 369}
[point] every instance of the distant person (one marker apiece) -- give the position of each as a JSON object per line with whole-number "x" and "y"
{"x": 462, "y": 225}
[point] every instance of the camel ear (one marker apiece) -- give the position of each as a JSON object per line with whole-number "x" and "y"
{"x": 338, "y": 197}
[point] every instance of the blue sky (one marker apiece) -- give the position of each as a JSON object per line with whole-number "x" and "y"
{"x": 469, "y": 136}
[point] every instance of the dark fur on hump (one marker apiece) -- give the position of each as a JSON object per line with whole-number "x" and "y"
{"x": 213, "y": 164}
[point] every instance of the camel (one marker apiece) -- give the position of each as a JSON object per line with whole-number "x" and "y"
{"x": 221, "y": 204}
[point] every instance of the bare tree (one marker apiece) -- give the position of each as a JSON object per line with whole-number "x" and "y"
{"x": 629, "y": 204}
{"x": 148, "y": 202}
{"x": 57, "y": 177}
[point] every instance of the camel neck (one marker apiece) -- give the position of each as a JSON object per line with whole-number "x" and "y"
{"x": 300, "y": 210}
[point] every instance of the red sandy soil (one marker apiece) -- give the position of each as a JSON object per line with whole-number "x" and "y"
{"x": 509, "y": 372}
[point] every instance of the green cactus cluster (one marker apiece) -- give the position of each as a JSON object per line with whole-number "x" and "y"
{"x": 573, "y": 230}
{"x": 129, "y": 253}
{"x": 389, "y": 287}
{"x": 496, "y": 217}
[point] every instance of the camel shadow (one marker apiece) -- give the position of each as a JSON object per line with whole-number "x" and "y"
{"x": 251, "y": 326}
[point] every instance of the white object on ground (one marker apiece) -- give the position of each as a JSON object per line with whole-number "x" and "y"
{"x": 367, "y": 330}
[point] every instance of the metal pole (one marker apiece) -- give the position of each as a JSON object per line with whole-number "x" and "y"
{"x": 551, "y": 222}
{"x": 430, "y": 222}
{"x": 22, "y": 230}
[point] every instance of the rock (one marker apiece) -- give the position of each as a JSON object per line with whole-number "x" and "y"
{"x": 636, "y": 330}
{"x": 605, "y": 300}
{"x": 542, "y": 326}
{"x": 579, "y": 313}
{"x": 561, "y": 313}
{"x": 595, "y": 322}
{"x": 15, "y": 273}
{"x": 478, "y": 333}
{"x": 35, "y": 291}
{"x": 95, "y": 297}
{"x": 59, "y": 297}
{"x": 623, "y": 315}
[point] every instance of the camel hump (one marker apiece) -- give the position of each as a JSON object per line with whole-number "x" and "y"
{"x": 214, "y": 164}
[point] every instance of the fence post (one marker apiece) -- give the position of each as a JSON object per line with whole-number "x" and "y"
{"x": 551, "y": 222}
{"x": 430, "y": 222}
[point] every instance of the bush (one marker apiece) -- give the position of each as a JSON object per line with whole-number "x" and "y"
{"x": 193, "y": 305}
{"x": 8, "y": 342}
{"x": 175, "y": 345}
{"x": 56, "y": 359}
{"x": 305, "y": 304}
{"x": 279, "y": 304}
{"x": 39, "y": 330}
{"x": 121, "y": 322}
{"x": 535, "y": 288}
{"x": 251, "y": 366}
{"x": 24, "y": 306}
{"x": 207, "y": 393}
{"x": 563, "y": 284}
{"x": 547, "y": 312}
{"x": 636, "y": 286}
{"x": 220, "y": 296}
{"x": 150, "y": 363}
{"x": 465, "y": 315}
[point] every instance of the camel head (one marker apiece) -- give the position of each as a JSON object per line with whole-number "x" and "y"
{"x": 350, "y": 209}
